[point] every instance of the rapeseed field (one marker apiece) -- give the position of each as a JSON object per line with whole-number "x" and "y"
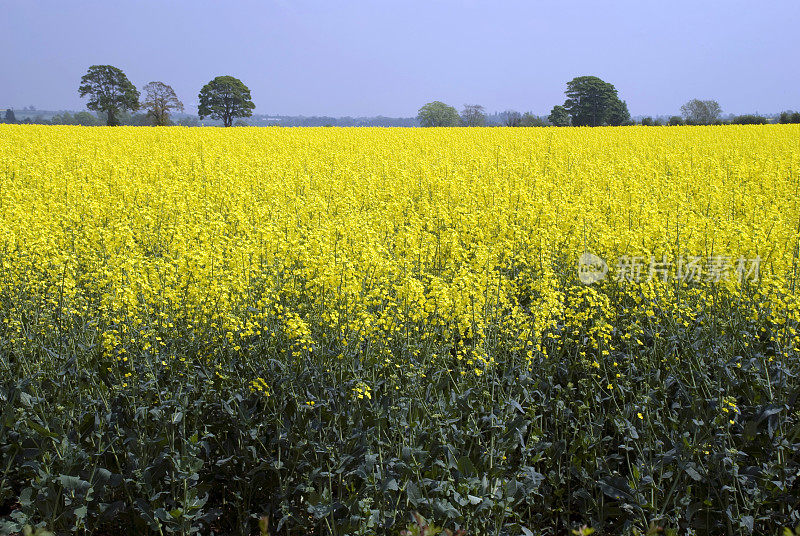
{"x": 508, "y": 330}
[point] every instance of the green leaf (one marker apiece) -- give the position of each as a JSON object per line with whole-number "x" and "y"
{"x": 692, "y": 472}
{"x": 413, "y": 493}
{"x": 73, "y": 483}
{"x": 41, "y": 430}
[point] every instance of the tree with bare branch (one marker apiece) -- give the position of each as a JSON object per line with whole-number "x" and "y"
{"x": 511, "y": 118}
{"x": 701, "y": 112}
{"x": 159, "y": 100}
{"x": 473, "y": 116}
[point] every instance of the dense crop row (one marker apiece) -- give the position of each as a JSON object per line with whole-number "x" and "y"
{"x": 336, "y": 327}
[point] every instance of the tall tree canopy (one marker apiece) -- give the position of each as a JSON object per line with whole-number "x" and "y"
{"x": 438, "y": 114}
{"x": 10, "y": 117}
{"x": 159, "y": 100}
{"x": 701, "y": 112}
{"x": 593, "y": 102}
{"x": 109, "y": 91}
{"x": 225, "y": 98}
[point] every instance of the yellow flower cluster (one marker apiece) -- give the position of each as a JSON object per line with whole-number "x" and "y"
{"x": 362, "y": 390}
{"x": 382, "y": 243}
{"x": 260, "y": 385}
{"x": 729, "y": 405}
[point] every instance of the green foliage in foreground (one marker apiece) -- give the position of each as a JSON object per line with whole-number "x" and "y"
{"x": 697, "y": 432}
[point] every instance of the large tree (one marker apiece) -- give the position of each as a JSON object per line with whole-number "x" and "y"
{"x": 109, "y": 91}
{"x": 438, "y": 114}
{"x": 591, "y": 101}
{"x": 473, "y": 115}
{"x": 159, "y": 100}
{"x": 225, "y": 98}
{"x": 701, "y": 112}
{"x": 10, "y": 117}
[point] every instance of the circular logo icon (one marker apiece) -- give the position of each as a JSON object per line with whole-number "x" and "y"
{"x": 591, "y": 268}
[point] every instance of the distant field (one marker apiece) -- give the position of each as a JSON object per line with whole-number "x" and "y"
{"x": 337, "y": 327}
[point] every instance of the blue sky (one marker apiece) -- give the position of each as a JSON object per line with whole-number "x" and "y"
{"x": 389, "y": 57}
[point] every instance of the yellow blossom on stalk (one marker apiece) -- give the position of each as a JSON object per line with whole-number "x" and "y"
{"x": 362, "y": 390}
{"x": 259, "y": 385}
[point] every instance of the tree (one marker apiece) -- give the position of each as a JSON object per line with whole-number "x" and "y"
{"x": 159, "y": 100}
{"x": 593, "y": 102}
{"x": 530, "y": 120}
{"x": 559, "y": 117}
{"x": 438, "y": 114}
{"x": 789, "y": 117}
{"x": 10, "y": 117}
{"x": 675, "y": 120}
{"x": 189, "y": 122}
{"x": 109, "y": 91}
{"x": 63, "y": 119}
{"x": 225, "y": 98}
{"x": 85, "y": 119}
{"x": 749, "y": 119}
{"x": 618, "y": 113}
{"x": 121, "y": 118}
{"x": 511, "y": 118}
{"x": 80, "y": 118}
{"x": 473, "y": 115}
{"x": 701, "y": 112}
{"x": 647, "y": 121}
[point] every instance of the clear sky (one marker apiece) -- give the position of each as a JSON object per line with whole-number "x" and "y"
{"x": 382, "y": 57}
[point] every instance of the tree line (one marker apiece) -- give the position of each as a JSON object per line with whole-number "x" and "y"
{"x": 590, "y": 101}
{"x": 110, "y": 92}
